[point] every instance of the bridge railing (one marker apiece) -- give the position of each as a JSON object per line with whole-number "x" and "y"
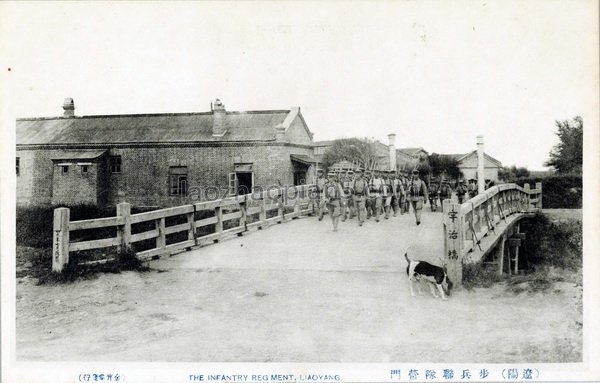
{"x": 466, "y": 224}
{"x": 204, "y": 222}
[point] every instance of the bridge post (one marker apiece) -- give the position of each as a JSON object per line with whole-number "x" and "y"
{"x": 60, "y": 241}
{"x": 538, "y": 186}
{"x": 528, "y": 191}
{"x": 453, "y": 246}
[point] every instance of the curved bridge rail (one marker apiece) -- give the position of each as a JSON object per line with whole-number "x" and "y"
{"x": 472, "y": 229}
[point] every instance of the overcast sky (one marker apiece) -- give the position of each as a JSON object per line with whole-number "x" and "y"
{"x": 435, "y": 73}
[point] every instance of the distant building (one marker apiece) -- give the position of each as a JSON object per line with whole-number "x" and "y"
{"x": 414, "y": 152}
{"x": 385, "y": 155}
{"x": 159, "y": 159}
{"x": 467, "y": 164}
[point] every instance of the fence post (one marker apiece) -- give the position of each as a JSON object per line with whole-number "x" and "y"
{"x": 244, "y": 217}
{"x": 219, "y": 224}
{"x": 452, "y": 239}
{"x": 298, "y": 194}
{"x": 538, "y": 186}
{"x": 161, "y": 240}
{"x": 262, "y": 216}
{"x": 280, "y": 211}
{"x": 124, "y": 232}
{"x": 191, "y": 220}
{"x": 60, "y": 245}
{"x": 528, "y": 191}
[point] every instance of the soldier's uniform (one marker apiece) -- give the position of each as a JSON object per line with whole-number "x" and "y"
{"x": 434, "y": 191}
{"x": 417, "y": 195}
{"x": 360, "y": 188}
{"x": 375, "y": 187}
{"x": 473, "y": 189}
{"x": 368, "y": 177}
{"x": 347, "y": 200}
{"x": 333, "y": 195}
{"x": 386, "y": 195}
{"x": 396, "y": 193}
{"x": 445, "y": 193}
{"x": 461, "y": 190}
{"x": 404, "y": 200}
{"x": 320, "y": 184}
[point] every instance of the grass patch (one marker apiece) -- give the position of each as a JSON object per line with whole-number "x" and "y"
{"x": 479, "y": 275}
{"x": 552, "y": 252}
{"x": 122, "y": 261}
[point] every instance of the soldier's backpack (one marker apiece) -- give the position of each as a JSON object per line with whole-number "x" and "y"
{"x": 359, "y": 186}
{"x": 331, "y": 191}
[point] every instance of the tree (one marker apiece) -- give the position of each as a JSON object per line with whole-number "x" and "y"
{"x": 441, "y": 163}
{"x": 567, "y": 156}
{"x": 512, "y": 173}
{"x": 358, "y": 151}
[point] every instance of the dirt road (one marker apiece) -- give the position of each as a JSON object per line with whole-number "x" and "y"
{"x": 295, "y": 293}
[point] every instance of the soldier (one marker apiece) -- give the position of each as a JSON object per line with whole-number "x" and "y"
{"x": 472, "y": 188}
{"x": 375, "y": 188}
{"x": 387, "y": 194}
{"x": 417, "y": 194}
{"x": 445, "y": 192}
{"x": 347, "y": 202}
{"x": 320, "y": 185}
{"x": 360, "y": 189}
{"x": 434, "y": 191}
{"x": 461, "y": 190}
{"x": 368, "y": 178}
{"x": 396, "y": 193}
{"x": 405, "y": 202}
{"x": 332, "y": 196}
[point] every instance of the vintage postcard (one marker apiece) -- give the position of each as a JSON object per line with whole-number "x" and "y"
{"x": 391, "y": 191}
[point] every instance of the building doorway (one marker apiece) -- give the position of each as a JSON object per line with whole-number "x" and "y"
{"x": 299, "y": 177}
{"x": 244, "y": 182}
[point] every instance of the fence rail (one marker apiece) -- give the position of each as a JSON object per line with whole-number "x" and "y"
{"x": 250, "y": 211}
{"x": 466, "y": 224}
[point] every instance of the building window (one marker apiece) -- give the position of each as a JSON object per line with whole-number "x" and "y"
{"x": 65, "y": 168}
{"x": 178, "y": 180}
{"x": 18, "y": 165}
{"x": 84, "y": 168}
{"x": 115, "y": 164}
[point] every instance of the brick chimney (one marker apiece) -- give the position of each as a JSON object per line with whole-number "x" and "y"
{"x": 219, "y": 117}
{"x": 392, "y": 148}
{"x": 69, "y": 107}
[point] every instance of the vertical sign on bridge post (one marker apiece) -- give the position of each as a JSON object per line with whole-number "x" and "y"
{"x": 453, "y": 241}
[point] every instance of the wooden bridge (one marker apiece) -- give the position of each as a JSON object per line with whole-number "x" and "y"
{"x": 485, "y": 226}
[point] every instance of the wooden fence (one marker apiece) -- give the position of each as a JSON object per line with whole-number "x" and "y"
{"x": 466, "y": 224}
{"x": 250, "y": 211}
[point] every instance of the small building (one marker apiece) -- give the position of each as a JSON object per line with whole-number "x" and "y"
{"x": 417, "y": 153}
{"x": 159, "y": 159}
{"x": 467, "y": 164}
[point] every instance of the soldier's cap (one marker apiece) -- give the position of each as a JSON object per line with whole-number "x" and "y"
{"x": 320, "y": 171}
{"x": 358, "y": 170}
{"x": 416, "y": 171}
{"x": 331, "y": 174}
{"x": 350, "y": 172}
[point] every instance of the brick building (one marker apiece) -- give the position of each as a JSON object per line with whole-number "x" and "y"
{"x": 159, "y": 159}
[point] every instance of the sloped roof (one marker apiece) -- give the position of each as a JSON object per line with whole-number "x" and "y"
{"x": 79, "y": 154}
{"x": 324, "y": 143}
{"x": 474, "y": 152}
{"x": 303, "y": 159}
{"x": 147, "y": 128}
{"x": 412, "y": 151}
